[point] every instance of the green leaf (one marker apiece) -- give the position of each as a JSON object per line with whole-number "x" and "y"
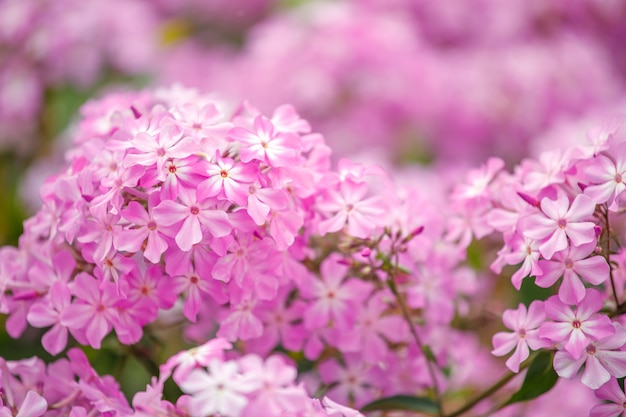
{"x": 540, "y": 378}
{"x": 403, "y": 402}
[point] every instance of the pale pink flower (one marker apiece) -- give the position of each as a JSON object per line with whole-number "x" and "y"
{"x": 525, "y": 325}
{"x": 189, "y": 215}
{"x": 560, "y": 221}
{"x": 611, "y": 392}
{"x": 576, "y": 328}
{"x": 607, "y": 178}
{"x": 265, "y": 144}
{"x": 332, "y": 296}
{"x": 220, "y": 391}
{"x": 573, "y": 264}
{"x": 602, "y": 359}
{"x": 349, "y": 205}
{"x": 278, "y": 393}
{"x": 186, "y": 361}
{"x": 228, "y": 180}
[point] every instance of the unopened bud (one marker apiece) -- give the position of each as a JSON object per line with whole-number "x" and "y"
{"x": 597, "y": 230}
{"x": 135, "y": 112}
{"x": 529, "y": 199}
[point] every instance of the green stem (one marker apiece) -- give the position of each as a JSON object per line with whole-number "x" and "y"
{"x": 489, "y": 391}
{"x": 605, "y": 212}
{"x": 418, "y": 341}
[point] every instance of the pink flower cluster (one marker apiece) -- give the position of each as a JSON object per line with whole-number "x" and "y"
{"x": 248, "y": 386}
{"x": 176, "y": 206}
{"x": 560, "y": 219}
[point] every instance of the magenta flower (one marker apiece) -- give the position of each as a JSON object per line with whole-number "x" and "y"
{"x": 525, "y": 325}
{"x": 576, "y": 328}
{"x": 143, "y": 226}
{"x": 181, "y": 174}
{"x": 93, "y": 311}
{"x": 48, "y": 312}
{"x": 560, "y": 221}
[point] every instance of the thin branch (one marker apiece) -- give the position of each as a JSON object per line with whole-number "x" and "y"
{"x": 416, "y": 337}
{"x": 489, "y": 391}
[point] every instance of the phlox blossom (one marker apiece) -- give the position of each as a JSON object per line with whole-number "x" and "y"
{"x": 573, "y": 264}
{"x": 602, "y": 359}
{"x": 576, "y": 328}
{"x": 560, "y": 221}
{"x": 525, "y": 325}
{"x": 607, "y": 177}
{"x": 266, "y": 144}
{"x": 190, "y": 214}
{"x": 617, "y": 400}
{"x": 349, "y": 205}
{"x": 222, "y": 390}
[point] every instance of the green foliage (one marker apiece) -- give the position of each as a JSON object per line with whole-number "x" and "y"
{"x": 539, "y": 379}
{"x": 404, "y": 403}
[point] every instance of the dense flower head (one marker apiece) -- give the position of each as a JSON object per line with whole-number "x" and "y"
{"x": 232, "y": 222}
{"x": 560, "y": 218}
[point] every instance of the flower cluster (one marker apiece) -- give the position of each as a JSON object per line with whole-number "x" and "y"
{"x": 234, "y": 224}
{"x": 560, "y": 219}
{"x": 247, "y": 386}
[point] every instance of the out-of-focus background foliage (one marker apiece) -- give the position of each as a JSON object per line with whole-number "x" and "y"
{"x": 444, "y": 83}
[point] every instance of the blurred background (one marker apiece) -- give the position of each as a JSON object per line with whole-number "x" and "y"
{"x": 443, "y": 84}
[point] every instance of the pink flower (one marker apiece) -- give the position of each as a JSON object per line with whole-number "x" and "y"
{"x": 201, "y": 356}
{"x": 602, "y": 360}
{"x": 276, "y": 149}
{"x": 220, "y": 391}
{"x": 278, "y": 393}
{"x": 349, "y": 205}
{"x": 143, "y": 226}
{"x": 332, "y": 296}
{"x": 607, "y": 178}
{"x": 228, "y": 180}
{"x": 560, "y": 221}
{"x": 525, "y": 325}
{"x": 93, "y": 311}
{"x": 372, "y": 329}
{"x": 48, "y": 312}
{"x": 576, "y": 328}
{"x": 611, "y": 392}
{"x": 189, "y": 215}
{"x": 572, "y": 264}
